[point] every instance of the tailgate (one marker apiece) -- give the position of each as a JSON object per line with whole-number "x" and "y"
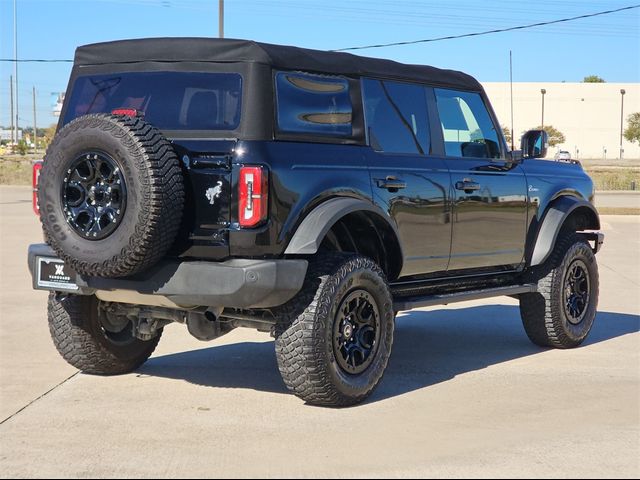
{"x": 207, "y": 166}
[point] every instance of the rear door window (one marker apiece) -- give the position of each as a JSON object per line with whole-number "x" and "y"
{"x": 313, "y": 104}
{"x": 466, "y": 125}
{"x": 396, "y": 116}
{"x": 168, "y": 100}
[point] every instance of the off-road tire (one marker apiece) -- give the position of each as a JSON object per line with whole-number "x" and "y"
{"x": 543, "y": 313}
{"x": 304, "y": 340}
{"x": 78, "y": 335}
{"x": 154, "y": 195}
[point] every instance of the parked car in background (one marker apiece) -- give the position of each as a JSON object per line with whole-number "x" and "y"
{"x": 563, "y": 156}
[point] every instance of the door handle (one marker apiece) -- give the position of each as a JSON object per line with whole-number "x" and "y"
{"x": 391, "y": 183}
{"x": 468, "y": 186}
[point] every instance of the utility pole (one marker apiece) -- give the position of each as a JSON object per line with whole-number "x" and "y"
{"x": 11, "y": 93}
{"x": 513, "y": 133}
{"x": 622, "y": 92}
{"x": 220, "y": 18}
{"x": 35, "y": 125}
{"x": 15, "y": 60}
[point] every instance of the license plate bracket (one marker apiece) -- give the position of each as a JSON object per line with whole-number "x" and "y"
{"x": 53, "y": 274}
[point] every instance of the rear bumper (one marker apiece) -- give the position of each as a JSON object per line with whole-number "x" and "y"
{"x": 238, "y": 283}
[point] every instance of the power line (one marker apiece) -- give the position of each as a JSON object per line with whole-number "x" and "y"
{"x": 394, "y": 44}
{"x": 487, "y": 32}
{"x": 34, "y": 60}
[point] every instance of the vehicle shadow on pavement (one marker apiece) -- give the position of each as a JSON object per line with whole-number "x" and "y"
{"x": 436, "y": 346}
{"x": 430, "y": 347}
{"x": 247, "y": 365}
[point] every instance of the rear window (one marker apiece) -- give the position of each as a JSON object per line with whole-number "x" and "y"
{"x": 168, "y": 100}
{"x": 313, "y": 104}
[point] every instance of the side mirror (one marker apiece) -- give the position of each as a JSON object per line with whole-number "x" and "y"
{"x": 534, "y": 144}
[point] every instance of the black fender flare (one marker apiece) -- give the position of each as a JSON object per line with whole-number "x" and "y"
{"x": 552, "y": 223}
{"x": 310, "y": 233}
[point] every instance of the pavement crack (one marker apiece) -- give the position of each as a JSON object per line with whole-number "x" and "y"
{"x": 635, "y": 282}
{"x": 40, "y": 397}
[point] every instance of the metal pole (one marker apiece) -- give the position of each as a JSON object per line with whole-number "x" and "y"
{"x": 622, "y": 92}
{"x": 220, "y": 18}
{"x": 15, "y": 61}
{"x": 11, "y": 93}
{"x": 513, "y": 133}
{"x": 543, "y": 91}
{"x": 35, "y": 125}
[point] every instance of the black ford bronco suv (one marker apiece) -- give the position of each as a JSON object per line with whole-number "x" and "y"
{"x": 226, "y": 183}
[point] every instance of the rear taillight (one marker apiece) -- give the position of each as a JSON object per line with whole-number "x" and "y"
{"x": 37, "y": 166}
{"x": 253, "y": 196}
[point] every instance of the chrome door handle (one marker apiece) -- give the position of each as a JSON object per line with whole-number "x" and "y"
{"x": 468, "y": 186}
{"x": 391, "y": 183}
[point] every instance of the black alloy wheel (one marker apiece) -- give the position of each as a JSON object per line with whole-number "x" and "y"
{"x": 576, "y": 292}
{"x": 94, "y": 196}
{"x": 356, "y": 332}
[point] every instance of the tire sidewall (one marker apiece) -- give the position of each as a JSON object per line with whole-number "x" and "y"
{"x": 366, "y": 279}
{"x": 123, "y": 150}
{"x": 577, "y": 251}
{"x": 130, "y": 350}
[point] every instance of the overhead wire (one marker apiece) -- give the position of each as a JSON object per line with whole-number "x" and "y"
{"x": 453, "y": 22}
{"x": 487, "y": 32}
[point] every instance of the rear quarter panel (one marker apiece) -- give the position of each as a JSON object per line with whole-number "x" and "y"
{"x": 301, "y": 176}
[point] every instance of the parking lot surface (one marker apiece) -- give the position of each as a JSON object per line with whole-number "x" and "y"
{"x": 465, "y": 394}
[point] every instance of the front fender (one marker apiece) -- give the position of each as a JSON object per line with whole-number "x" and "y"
{"x": 554, "y": 219}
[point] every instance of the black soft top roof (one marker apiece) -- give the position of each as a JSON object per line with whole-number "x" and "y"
{"x": 278, "y": 56}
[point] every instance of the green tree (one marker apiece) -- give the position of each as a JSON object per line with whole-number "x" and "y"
{"x": 556, "y": 137}
{"x": 632, "y": 132}
{"x": 507, "y": 134}
{"x": 48, "y": 134}
{"x": 22, "y": 147}
{"x": 593, "y": 79}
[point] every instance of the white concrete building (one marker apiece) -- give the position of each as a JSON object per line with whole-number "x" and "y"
{"x": 6, "y": 134}
{"x": 588, "y": 114}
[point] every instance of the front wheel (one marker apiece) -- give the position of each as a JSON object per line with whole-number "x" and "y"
{"x": 337, "y": 333}
{"x": 93, "y": 342}
{"x": 563, "y": 310}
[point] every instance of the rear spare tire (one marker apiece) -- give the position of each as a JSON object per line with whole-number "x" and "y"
{"x": 111, "y": 195}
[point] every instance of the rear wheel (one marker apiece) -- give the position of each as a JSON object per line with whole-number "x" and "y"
{"x": 93, "y": 342}
{"x": 337, "y": 333}
{"x": 563, "y": 310}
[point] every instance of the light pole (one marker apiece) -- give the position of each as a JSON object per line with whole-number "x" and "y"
{"x": 15, "y": 63}
{"x": 220, "y": 18}
{"x": 622, "y": 92}
{"x": 542, "y": 91}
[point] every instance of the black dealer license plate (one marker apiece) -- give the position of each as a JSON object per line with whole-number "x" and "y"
{"x": 52, "y": 273}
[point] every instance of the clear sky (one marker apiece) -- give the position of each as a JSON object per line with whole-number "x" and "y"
{"x": 608, "y": 46}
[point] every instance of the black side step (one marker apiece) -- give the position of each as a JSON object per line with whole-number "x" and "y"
{"x": 409, "y": 303}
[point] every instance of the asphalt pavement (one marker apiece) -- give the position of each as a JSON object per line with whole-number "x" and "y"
{"x": 465, "y": 395}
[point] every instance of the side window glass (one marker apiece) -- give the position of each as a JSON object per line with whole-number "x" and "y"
{"x": 466, "y": 125}
{"x": 396, "y": 116}
{"x": 313, "y": 104}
